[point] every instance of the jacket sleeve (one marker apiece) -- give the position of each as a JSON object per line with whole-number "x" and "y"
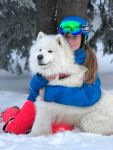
{"x": 84, "y": 96}
{"x": 37, "y": 82}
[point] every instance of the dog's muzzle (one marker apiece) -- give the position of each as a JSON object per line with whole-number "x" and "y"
{"x": 40, "y": 59}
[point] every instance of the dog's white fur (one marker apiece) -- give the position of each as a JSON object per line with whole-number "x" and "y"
{"x": 96, "y": 119}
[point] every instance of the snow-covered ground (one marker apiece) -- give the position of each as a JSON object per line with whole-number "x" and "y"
{"x": 14, "y": 91}
{"x": 60, "y": 141}
{"x": 105, "y": 69}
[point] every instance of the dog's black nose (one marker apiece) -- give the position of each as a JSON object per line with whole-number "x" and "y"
{"x": 40, "y": 57}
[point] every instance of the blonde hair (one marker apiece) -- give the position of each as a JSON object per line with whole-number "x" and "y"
{"x": 91, "y": 64}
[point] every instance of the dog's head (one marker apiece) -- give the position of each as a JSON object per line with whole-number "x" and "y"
{"x": 50, "y": 52}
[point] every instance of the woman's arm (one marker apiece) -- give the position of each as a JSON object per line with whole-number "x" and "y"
{"x": 36, "y": 83}
{"x": 83, "y": 96}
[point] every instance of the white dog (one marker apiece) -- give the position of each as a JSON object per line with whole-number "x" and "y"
{"x": 57, "y": 57}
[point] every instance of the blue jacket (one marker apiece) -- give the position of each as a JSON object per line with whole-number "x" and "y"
{"x": 84, "y": 96}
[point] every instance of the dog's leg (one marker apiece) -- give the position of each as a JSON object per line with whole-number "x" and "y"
{"x": 97, "y": 122}
{"x": 42, "y": 123}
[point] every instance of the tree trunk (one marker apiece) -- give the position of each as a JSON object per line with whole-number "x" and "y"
{"x": 46, "y": 21}
{"x": 71, "y": 8}
{"x": 51, "y": 12}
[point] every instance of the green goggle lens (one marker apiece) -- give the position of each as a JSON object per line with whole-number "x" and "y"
{"x": 71, "y": 27}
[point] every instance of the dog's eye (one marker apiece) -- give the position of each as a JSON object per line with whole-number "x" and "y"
{"x": 40, "y": 50}
{"x": 50, "y": 51}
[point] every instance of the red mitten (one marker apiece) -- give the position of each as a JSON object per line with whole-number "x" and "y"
{"x": 9, "y": 113}
{"x": 23, "y": 122}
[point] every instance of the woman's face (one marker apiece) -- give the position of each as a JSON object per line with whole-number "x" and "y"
{"x": 74, "y": 41}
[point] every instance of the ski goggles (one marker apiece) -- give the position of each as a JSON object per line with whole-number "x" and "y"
{"x": 72, "y": 27}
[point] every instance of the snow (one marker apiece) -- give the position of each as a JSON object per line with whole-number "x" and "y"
{"x": 14, "y": 91}
{"x": 105, "y": 63}
{"x": 16, "y": 61}
{"x": 59, "y": 141}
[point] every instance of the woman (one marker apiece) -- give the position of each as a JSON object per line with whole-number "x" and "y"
{"x": 75, "y": 30}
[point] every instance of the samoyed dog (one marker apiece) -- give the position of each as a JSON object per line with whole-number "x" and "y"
{"x": 51, "y": 55}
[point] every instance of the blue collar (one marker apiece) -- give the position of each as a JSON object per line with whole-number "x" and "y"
{"x": 80, "y": 56}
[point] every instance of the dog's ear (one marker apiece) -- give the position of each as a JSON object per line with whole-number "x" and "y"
{"x": 60, "y": 40}
{"x": 40, "y": 35}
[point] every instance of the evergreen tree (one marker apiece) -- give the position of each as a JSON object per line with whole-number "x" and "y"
{"x": 17, "y": 30}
